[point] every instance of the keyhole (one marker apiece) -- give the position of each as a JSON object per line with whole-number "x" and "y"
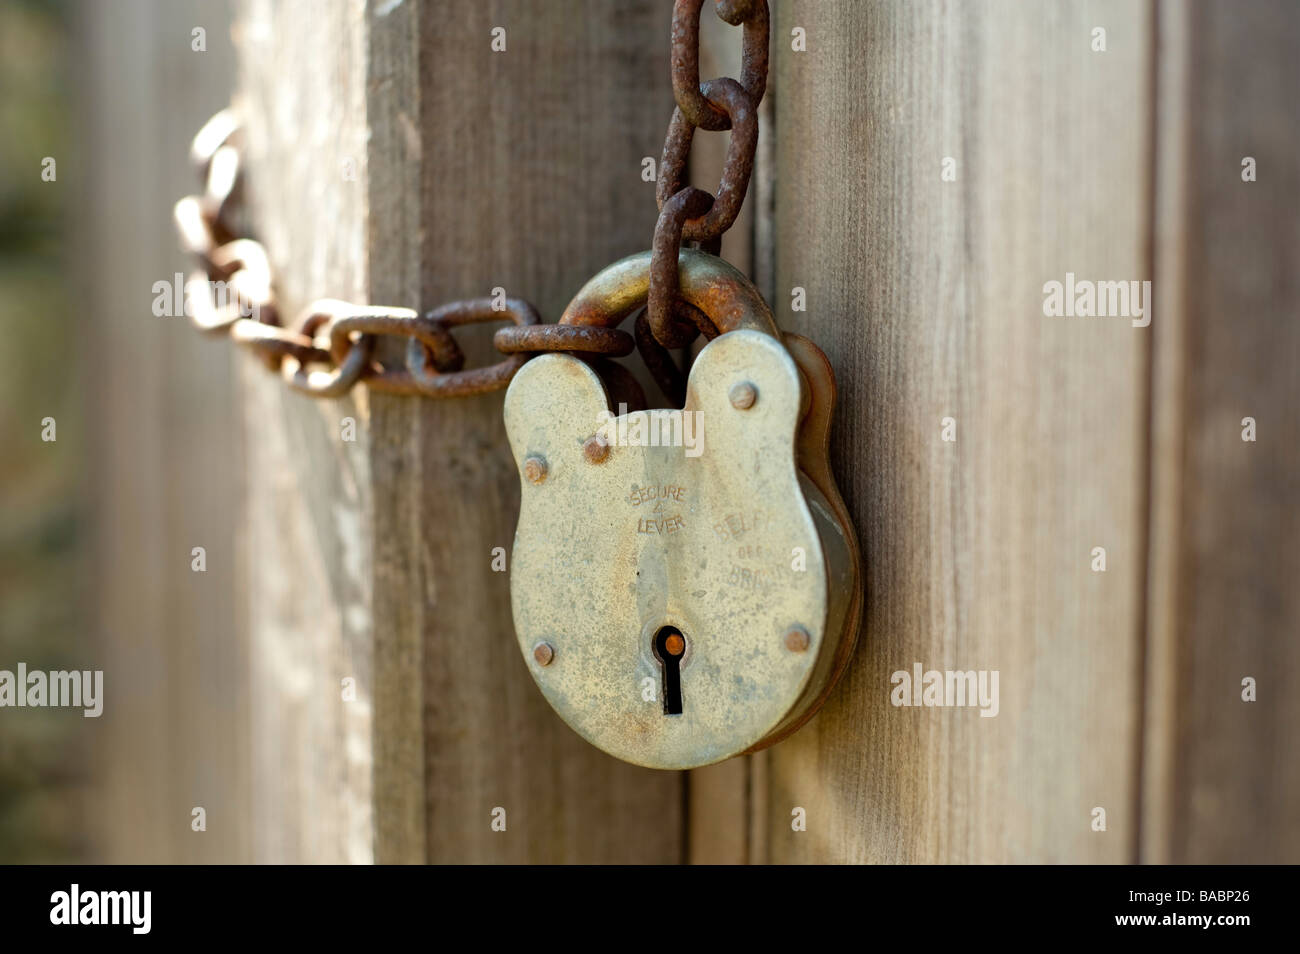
{"x": 670, "y": 645}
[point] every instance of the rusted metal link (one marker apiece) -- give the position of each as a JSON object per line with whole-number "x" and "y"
{"x": 222, "y": 192}
{"x": 737, "y": 12}
{"x": 710, "y": 284}
{"x": 243, "y": 291}
{"x": 272, "y": 344}
{"x": 740, "y": 106}
{"x": 685, "y": 311}
{"x": 203, "y": 310}
{"x": 659, "y": 362}
{"x": 242, "y": 255}
{"x": 426, "y": 380}
{"x": 217, "y": 160}
{"x": 333, "y": 345}
{"x": 688, "y": 203}
{"x": 473, "y": 311}
{"x": 581, "y": 339}
{"x": 222, "y": 129}
{"x": 241, "y": 274}
{"x": 718, "y": 104}
{"x": 621, "y": 386}
{"x": 362, "y": 320}
{"x": 396, "y": 322}
{"x": 194, "y": 231}
{"x": 424, "y": 374}
{"x": 699, "y": 108}
{"x": 352, "y": 332}
{"x": 333, "y": 381}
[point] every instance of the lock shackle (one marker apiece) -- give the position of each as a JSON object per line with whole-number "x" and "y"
{"x": 715, "y": 287}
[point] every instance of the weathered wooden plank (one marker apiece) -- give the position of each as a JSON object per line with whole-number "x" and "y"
{"x": 303, "y": 83}
{"x": 531, "y": 162}
{"x": 1221, "y": 780}
{"x": 474, "y": 169}
{"x": 394, "y": 169}
{"x": 927, "y": 296}
{"x": 165, "y": 456}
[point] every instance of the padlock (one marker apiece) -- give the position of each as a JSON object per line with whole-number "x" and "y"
{"x": 685, "y": 583}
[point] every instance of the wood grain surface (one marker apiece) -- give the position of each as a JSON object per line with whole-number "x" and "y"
{"x": 478, "y": 169}
{"x": 530, "y": 181}
{"x": 309, "y": 516}
{"x": 1222, "y": 784}
{"x": 927, "y": 296}
{"x": 165, "y": 459}
{"x": 396, "y": 158}
{"x": 1120, "y": 690}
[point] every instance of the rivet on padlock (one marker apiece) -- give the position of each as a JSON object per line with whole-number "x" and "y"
{"x": 680, "y": 606}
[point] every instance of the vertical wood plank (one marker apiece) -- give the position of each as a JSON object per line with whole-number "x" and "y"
{"x": 475, "y": 169}
{"x": 531, "y": 162}
{"x": 165, "y": 456}
{"x": 1222, "y": 781}
{"x": 927, "y": 296}
{"x": 303, "y": 79}
{"x": 394, "y": 169}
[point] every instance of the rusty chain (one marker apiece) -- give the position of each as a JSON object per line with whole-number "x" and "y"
{"x": 331, "y": 346}
{"x": 687, "y": 213}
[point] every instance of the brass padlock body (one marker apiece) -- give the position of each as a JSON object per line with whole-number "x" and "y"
{"x": 744, "y": 548}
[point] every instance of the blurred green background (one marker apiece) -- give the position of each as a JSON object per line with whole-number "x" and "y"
{"x": 43, "y": 778}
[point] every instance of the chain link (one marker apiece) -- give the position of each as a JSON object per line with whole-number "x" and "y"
{"x": 331, "y": 347}
{"x": 687, "y": 214}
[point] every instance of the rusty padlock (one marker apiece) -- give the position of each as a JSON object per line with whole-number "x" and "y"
{"x": 685, "y": 584}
